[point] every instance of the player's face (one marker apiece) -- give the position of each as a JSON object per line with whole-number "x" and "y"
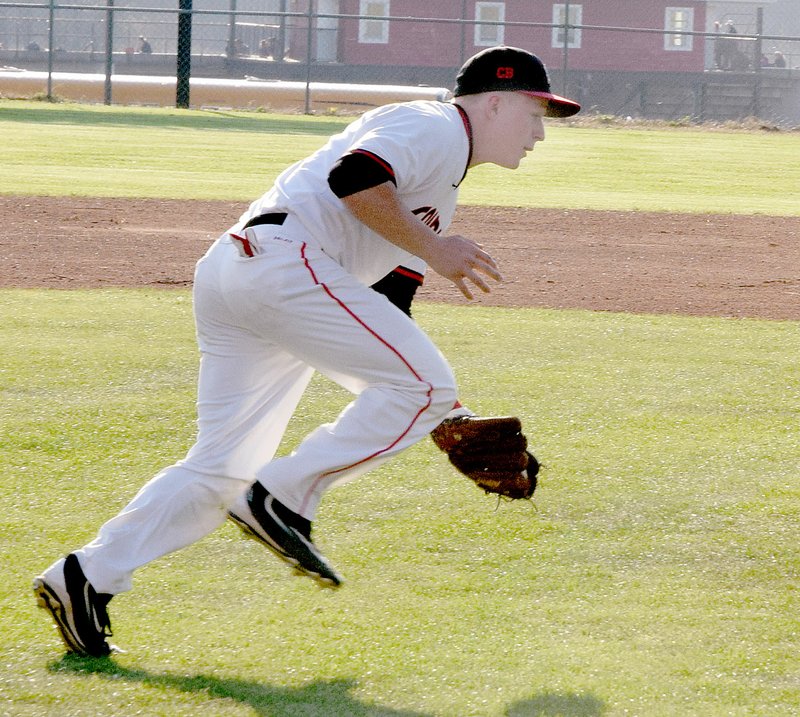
{"x": 519, "y": 126}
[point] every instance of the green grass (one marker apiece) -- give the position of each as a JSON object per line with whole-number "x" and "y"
{"x": 140, "y": 152}
{"x": 674, "y": 170}
{"x": 656, "y": 573}
{"x": 112, "y": 151}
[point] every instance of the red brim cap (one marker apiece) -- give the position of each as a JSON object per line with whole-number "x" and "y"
{"x": 557, "y": 106}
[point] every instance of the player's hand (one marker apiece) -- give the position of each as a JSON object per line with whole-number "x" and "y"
{"x": 460, "y": 260}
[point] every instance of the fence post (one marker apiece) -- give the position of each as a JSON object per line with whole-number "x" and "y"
{"x": 700, "y": 101}
{"x": 280, "y": 47}
{"x": 757, "y": 51}
{"x": 50, "y": 34}
{"x": 463, "y": 53}
{"x": 183, "y": 71}
{"x": 565, "y": 66}
{"x": 230, "y": 51}
{"x": 109, "y": 51}
{"x": 309, "y": 41}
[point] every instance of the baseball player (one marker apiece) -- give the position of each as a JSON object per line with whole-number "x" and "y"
{"x": 286, "y": 292}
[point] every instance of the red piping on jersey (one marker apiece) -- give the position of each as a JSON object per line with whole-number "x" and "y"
{"x": 391, "y": 348}
{"x": 376, "y": 158}
{"x": 468, "y": 130}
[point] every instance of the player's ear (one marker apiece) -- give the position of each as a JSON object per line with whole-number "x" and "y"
{"x": 493, "y": 102}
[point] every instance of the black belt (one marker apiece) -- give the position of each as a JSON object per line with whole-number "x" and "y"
{"x": 271, "y": 218}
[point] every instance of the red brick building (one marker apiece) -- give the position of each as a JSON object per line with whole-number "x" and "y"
{"x": 455, "y": 29}
{"x": 648, "y": 58}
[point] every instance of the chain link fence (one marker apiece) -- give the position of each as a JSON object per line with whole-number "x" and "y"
{"x": 707, "y": 61}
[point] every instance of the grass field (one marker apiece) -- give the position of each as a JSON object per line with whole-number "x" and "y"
{"x": 99, "y": 151}
{"x": 656, "y": 573}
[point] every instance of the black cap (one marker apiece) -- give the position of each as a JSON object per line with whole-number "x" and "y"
{"x": 509, "y": 69}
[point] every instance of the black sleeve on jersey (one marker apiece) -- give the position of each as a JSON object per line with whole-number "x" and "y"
{"x": 357, "y": 171}
{"x": 399, "y": 286}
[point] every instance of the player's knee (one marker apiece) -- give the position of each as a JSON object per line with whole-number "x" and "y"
{"x": 218, "y": 492}
{"x": 443, "y": 395}
{"x": 217, "y": 483}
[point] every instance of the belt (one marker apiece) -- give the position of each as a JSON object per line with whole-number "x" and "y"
{"x": 271, "y": 218}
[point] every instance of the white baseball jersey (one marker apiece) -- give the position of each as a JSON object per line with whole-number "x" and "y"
{"x": 425, "y": 143}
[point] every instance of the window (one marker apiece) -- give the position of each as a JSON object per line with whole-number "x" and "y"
{"x": 489, "y": 35}
{"x": 371, "y": 30}
{"x": 677, "y": 19}
{"x": 573, "y": 38}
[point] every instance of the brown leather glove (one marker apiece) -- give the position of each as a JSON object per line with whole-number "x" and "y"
{"x": 492, "y": 452}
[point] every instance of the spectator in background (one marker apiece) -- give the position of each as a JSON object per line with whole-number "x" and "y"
{"x": 144, "y": 46}
{"x": 780, "y": 60}
{"x": 717, "y": 46}
{"x": 725, "y": 49}
{"x": 266, "y": 47}
{"x": 238, "y": 48}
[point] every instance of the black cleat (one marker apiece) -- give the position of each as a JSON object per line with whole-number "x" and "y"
{"x": 285, "y": 533}
{"x": 79, "y": 612}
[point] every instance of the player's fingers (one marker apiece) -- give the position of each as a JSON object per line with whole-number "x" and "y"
{"x": 489, "y": 268}
{"x": 486, "y": 262}
{"x": 487, "y": 259}
{"x": 471, "y": 272}
{"x": 462, "y": 287}
{"x": 481, "y": 284}
{"x": 492, "y": 271}
{"x": 477, "y": 279}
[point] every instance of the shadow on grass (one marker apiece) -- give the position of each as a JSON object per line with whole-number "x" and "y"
{"x": 323, "y": 697}
{"x": 558, "y": 704}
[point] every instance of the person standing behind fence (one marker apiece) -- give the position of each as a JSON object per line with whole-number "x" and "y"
{"x": 144, "y": 46}
{"x": 725, "y": 49}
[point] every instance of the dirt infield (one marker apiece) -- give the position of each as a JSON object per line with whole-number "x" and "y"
{"x": 702, "y": 265}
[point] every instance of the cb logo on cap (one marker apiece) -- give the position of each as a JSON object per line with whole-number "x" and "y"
{"x": 505, "y": 73}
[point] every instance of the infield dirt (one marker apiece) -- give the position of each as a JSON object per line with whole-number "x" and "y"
{"x": 701, "y": 265}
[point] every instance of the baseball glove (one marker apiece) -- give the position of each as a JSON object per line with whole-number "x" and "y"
{"x": 492, "y": 452}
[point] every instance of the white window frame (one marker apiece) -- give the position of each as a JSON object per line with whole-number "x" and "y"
{"x": 489, "y": 35}
{"x": 575, "y": 35}
{"x": 677, "y": 19}
{"x": 371, "y": 31}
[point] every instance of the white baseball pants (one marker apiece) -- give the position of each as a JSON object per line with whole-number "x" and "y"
{"x": 264, "y": 324}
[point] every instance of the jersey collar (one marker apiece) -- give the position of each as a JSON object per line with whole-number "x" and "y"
{"x": 468, "y": 130}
